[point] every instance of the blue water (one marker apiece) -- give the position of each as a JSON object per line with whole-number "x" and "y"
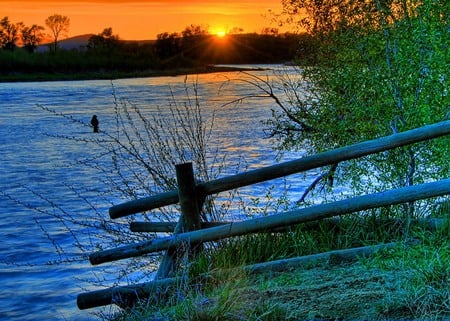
{"x": 45, "y": 187}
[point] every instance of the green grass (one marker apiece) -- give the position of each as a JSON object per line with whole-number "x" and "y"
{"x": 401, "y": 283}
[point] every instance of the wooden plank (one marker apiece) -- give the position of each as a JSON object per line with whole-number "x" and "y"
{"x": 166, "y": 227}
{"x": 318, "y": 212}
{"x": 291, "y": 167}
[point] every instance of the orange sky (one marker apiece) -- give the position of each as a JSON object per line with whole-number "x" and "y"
{"x": 144, "y": 19}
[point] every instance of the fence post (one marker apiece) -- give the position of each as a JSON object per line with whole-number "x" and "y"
{"x": 189, "y": 200}
{"x": 189, "y": 217}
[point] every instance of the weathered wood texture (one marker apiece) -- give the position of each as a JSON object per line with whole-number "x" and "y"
{"x": 117, "y": 295}
{"x": 288, "y": 168}
{"x": 188, "y": 197}
{"x": 398, "y": 196}
{"x": 124, "y": 294}
{"x": 332, "y": 257}
{"x": 189, "y": 218}
{"x": 166, "y": 227}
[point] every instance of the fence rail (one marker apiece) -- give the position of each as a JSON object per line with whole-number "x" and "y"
{"x": 287, "y": 168}
{"x": 318, "y": 212}
{"x": 190, "y": 230}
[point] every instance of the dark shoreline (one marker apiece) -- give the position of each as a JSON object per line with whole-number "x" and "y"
{"x": 112, "y": 75}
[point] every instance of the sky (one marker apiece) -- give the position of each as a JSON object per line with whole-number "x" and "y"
{"x": 144, "y": 19}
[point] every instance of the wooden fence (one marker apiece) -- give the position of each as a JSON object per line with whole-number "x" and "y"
{"x": 190, "y": 232}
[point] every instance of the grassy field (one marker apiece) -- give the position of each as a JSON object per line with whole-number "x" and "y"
{"x": 409, "y": 281}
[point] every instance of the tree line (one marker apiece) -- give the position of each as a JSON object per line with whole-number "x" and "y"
{"x": 31, "y": 36}
{"x": 105, "y": 51}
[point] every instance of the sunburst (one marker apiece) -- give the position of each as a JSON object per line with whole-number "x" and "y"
{"x": 221, "y": 33}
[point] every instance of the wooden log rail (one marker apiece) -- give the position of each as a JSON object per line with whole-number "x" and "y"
{"x": 121, "y": 295}
{"x": 318, "y": 212}
{"x": 166, "y": 227}
{"x": 190, "y": 231}
{"x": 276, "y": 171}
{"x": 124, "y": 294}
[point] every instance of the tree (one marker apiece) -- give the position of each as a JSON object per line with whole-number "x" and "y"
{"x": 270, "y": 31}
{"x": 193, "y": 41}
{"x": 168, "y": 45}
{"x": 381, "y": 68}
{"x": 105, "y": 41}
{"x": 59, "y": 25}
{"x": 9, "y": 33}
{"x": 31, "y": 37}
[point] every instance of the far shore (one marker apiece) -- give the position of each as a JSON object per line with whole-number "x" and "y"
{"x": 111, "y": 75}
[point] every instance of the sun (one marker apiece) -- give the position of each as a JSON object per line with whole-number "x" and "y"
{"x": 221, "y": 33}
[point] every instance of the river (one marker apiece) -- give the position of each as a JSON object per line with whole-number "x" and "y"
{"x": 45, "y": 182}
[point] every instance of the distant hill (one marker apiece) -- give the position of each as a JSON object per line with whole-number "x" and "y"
{"x": 76, "y": 42}
{"x": 81, "y": 41}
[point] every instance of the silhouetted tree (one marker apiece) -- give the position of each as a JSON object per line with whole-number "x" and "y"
{"x": 9, "y": 33}
{"x": 168, "y": 45}
{"x": 194, "y": 30}
{"x": 105, "y": 41}
{"x": 31, "y": 37}
{"x": 193, "y": 41}
{"x": 59, "y": 25}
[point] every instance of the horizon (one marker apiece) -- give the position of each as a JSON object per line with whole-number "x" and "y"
{"x": 145, "y": 19}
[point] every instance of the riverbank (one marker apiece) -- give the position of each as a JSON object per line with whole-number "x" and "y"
{"x": 111, "y": 75}
{"x": 403, "y": 282}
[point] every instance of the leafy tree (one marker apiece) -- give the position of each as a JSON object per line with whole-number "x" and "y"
{"x": 193, "y": 41}
{"x": 9, "y": 33}
{"x": 168, "y": 45}
{"x": 31, "y": 37}
{"x": 194, "y": 30}
{"x": 59, "y": 25}
{"x": 381, "y": 67}
{"x": 105, "y": 41}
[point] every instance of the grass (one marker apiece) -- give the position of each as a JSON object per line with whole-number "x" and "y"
{"x": 401, "y": 283}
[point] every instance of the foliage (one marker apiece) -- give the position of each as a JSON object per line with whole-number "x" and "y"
{"x": 106, "y": 53}
{"x": 31, "y": 37}
{"x": 204, "y": 48}
{"x": 104, "y": 42}
{"x": 9, "y": 33}
{"x": 59, "y": 26}
{"x": 381, "y": 68}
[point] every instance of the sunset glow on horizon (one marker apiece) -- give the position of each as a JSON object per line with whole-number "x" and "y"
{"x": 145, "y": 19}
